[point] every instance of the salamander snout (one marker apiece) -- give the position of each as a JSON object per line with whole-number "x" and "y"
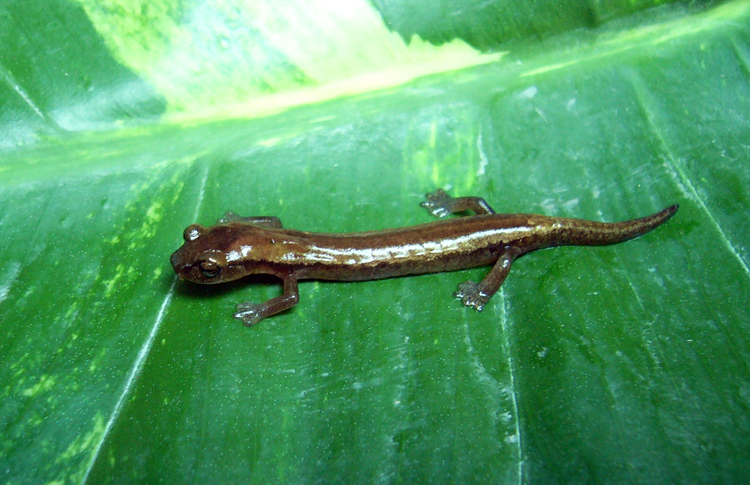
{"x": 176, "y": 263}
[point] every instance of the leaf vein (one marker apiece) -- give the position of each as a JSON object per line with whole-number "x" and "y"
{"x": 142, "y": 354}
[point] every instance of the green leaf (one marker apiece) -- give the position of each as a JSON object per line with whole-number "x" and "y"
{"x": 125, "y": 121}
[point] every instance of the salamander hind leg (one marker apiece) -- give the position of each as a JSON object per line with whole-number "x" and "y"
{"x": 476, "y": 295}
{"x": 440, "y": 204}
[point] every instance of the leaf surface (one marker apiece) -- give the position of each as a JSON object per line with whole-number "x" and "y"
{"x": 619, "y": 364}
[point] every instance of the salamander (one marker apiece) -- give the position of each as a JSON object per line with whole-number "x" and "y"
{"x": 239, "y": 246}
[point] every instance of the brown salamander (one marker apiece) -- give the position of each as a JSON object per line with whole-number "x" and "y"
{"x": 238, "y": 246}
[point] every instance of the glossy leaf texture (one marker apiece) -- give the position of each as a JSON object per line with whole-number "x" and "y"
{"x": 123, "y": 121}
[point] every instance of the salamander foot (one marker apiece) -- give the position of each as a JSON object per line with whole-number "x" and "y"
{"x": 250, "y": 313}
{"x": 438, "y": 203}
{"x": 471, "y": 295}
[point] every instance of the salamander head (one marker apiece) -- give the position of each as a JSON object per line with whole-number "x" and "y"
{"x": 215, "y": 254}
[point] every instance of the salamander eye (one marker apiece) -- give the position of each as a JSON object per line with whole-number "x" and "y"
{"x": 193, "y": 232}
{"x": 209, "y": 269}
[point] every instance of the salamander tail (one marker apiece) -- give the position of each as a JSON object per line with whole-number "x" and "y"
{"x": 590, "y": 233}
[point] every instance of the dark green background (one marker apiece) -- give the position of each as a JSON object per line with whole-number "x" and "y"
{"x": 621, "y": 364}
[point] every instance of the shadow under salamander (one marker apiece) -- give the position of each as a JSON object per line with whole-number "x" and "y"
{"x": 199, "y": 292}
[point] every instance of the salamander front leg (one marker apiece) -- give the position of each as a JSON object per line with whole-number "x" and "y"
{"x": 476, "y": 295}
{"x": 440, "y": 204}
{"x": 251, "y": 313}
{"x": 265, "y": 221}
